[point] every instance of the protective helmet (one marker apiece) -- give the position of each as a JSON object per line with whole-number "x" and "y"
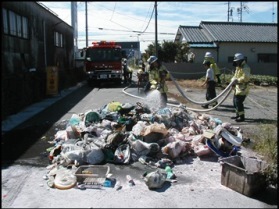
{"x": 152, "y": 59}
{"x": 208, "y": 54}
{"x": 238, "y": 56}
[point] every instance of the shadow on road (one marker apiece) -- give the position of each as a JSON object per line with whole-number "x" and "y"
{"x": 268, "y": 196}
{"x": 16, "y": 142}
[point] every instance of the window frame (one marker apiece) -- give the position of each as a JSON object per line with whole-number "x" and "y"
{"x": 15, "y": 24}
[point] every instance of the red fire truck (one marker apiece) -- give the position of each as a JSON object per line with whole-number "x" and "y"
{"x": 102, "y": 62}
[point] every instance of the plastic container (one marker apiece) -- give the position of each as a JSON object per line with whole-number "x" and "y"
{"x": 92, "y": 174}
{"x": 107, "y": 183}
{"x": 243, "y": 174}
{"x": 64, "y": 179}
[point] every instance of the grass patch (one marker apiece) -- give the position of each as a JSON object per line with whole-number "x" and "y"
{"x": 266, "y": 145}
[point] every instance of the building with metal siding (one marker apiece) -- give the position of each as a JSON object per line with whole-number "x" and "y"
{"x": 257, "y": 41}
{"x": 33, "y": 37}
{"x": 49, "y": 40}
{"x": 224, "y": 39}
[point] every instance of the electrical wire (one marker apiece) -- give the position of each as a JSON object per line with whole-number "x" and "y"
{"x": 113, "y": 10}
{"x": 146, "y": 15}
{"x": 149, "y": 20}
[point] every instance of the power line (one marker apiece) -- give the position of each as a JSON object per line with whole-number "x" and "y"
{"x": 147, "y": 14}
{"x": 116, "y": 22}
{"x": 113, "y": 11}
{"x": 149, "y": 20}
{"x": 134, "y": 31}
{"x": 116, "y": 12}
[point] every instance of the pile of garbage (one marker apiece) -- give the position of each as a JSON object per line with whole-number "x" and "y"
{"x": 123, "y": 133}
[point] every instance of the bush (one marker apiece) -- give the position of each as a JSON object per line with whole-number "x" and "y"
{"x": 264, "y": 79}
{"x": 254, "y": 79}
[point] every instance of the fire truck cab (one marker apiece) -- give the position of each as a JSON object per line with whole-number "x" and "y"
{"x": 103, "y": 62}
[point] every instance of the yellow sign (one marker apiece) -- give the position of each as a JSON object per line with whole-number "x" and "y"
{"x": 52, "y": 81}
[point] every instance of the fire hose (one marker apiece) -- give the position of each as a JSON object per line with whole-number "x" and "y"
{"x": 227, "y": 90}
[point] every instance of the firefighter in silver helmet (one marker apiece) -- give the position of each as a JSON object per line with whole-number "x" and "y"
{"x": 158, "y": 75}
{"x": 240, "y": 81}
{"x": 217, "y": 72}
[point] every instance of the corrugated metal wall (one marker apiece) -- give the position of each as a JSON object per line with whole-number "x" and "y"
{"x": 20, "y": 86}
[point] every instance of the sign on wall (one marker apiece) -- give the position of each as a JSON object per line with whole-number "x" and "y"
{"x": 52, "y": 80}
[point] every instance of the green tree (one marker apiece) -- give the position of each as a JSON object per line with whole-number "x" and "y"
{"x": 169, "y": 51}
{"x": 183, "y": 49}
{"x": 152, "y": 51}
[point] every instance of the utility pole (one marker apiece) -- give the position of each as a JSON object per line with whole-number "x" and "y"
{"x": 156, "y": 33}
{"x": 86, "y": 25}
{"x": 241, "y": 8}
{"x": 228, "y": 11}
{"x": 240, "y": 11}
{"x": 273, "y": 12}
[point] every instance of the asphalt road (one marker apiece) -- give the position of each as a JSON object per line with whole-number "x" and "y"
{"x": 24, "y": 161}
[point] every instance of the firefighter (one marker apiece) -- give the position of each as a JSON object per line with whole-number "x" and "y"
{"x": 217, "y": 72}
{"x": 125, "y": 70}
{"x": 210, "y": 83}
{"x": 158, "y": 75}
{"x": 130, "y": 74}
{"x": 241, "y": 85}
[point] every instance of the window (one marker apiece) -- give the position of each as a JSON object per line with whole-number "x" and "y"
{"x": 267, "y": 58}
{"x": 58, "y": 39}
{"x": 104, "y": 54}
{"x": 12, "y": 23}
{"x": 18, "y": 26}
{"x": 5, "y": 21}
{"x": 25, "y": 27}
{"x": 15, "y": 24}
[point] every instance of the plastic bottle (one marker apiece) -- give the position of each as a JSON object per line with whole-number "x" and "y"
{"x": 74, "y": 120}
{"x": 170, "y": 173}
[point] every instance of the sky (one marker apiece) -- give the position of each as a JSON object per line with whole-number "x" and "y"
{"x": 122, "y": 21}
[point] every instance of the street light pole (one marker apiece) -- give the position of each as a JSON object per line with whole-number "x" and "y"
{"x": 86, "y": 24}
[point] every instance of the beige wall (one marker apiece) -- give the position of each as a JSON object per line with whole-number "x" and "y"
{"x": 221, "y": 55}
{"x": 250, "y": 50}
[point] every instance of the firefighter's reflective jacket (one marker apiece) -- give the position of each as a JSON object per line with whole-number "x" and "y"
{"x": 157, "y": 77}
{"x": 242, "y": 74}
